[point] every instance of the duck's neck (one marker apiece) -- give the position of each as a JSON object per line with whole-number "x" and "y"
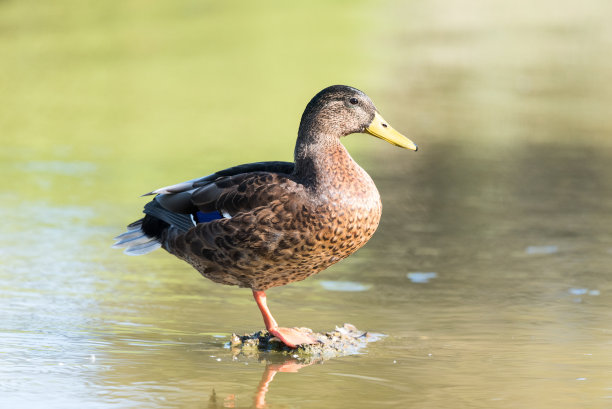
{"x": 324, "y": 165}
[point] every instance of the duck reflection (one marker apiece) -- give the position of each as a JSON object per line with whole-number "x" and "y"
{"x": 291, "y": 365}
{"x": 270, "y": 371}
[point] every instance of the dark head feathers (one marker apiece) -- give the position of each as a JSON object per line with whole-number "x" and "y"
{"x": 336, "y": 111}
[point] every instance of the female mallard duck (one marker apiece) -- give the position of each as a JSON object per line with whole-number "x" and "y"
{"x": 267, "y": 224}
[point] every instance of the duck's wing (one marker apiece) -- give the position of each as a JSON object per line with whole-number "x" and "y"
{"x": 272, "y": 166}
{"x": 226, "y": 191}
{"x": 216, "y": 196}
{"x": 220, "y": 195}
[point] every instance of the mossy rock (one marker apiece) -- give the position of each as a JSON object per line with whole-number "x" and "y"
{"x": 345, "y": 340}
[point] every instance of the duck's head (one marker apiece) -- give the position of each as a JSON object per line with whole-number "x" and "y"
{"x": 341, "y": 110}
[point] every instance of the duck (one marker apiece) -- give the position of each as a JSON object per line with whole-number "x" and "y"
{"x": 267, "y": 224}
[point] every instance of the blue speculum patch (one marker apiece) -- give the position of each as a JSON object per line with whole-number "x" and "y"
{"x": 201, "y": 217}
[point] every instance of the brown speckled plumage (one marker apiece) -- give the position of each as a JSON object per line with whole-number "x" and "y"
{"x": 281, "y": 229}
{"x": 278, "y": 222}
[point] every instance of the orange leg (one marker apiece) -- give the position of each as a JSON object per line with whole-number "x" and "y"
{"x": 289, "y": 336}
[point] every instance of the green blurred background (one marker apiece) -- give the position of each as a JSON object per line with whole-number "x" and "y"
{"x": 134, "y": 86}
{"x": 149, "y": 82}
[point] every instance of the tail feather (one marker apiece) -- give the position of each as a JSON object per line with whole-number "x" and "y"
{"x": 135, "y": 225}
{"x": 129, "y": 234}
{"x": 145, "y": 235}
{"x": 135, "y": 241}
{"x": 143, "y": 248}
{"x": 183, "y": 222}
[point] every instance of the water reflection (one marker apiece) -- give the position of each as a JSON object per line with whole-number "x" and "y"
{"x": 268, "y": 375}
{"x": 259, "y": 400}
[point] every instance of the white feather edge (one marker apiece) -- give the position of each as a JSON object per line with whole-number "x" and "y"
{"x": 142, "y": 248}
{"x": 179, "y": 187}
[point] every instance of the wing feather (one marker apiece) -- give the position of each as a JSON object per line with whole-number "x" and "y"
{"x": 227, "y": 191}
{"x": 272, "y": 166}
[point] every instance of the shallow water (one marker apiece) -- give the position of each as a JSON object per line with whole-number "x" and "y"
{"x": 489, "y": 274}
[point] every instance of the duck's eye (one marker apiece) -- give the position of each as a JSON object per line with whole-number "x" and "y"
{"x": 354, "y": 101}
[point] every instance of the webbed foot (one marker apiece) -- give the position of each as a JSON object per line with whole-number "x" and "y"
{"x": 292, "y": 337}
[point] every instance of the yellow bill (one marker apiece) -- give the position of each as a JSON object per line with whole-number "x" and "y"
{"x": 381, "y": 129}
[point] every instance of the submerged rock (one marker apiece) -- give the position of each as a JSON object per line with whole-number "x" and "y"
{"x": 345, "y": 340}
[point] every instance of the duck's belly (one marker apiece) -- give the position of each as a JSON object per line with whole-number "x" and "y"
{"x": 291, "y": 251}
{"x": 335, "y": 237}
